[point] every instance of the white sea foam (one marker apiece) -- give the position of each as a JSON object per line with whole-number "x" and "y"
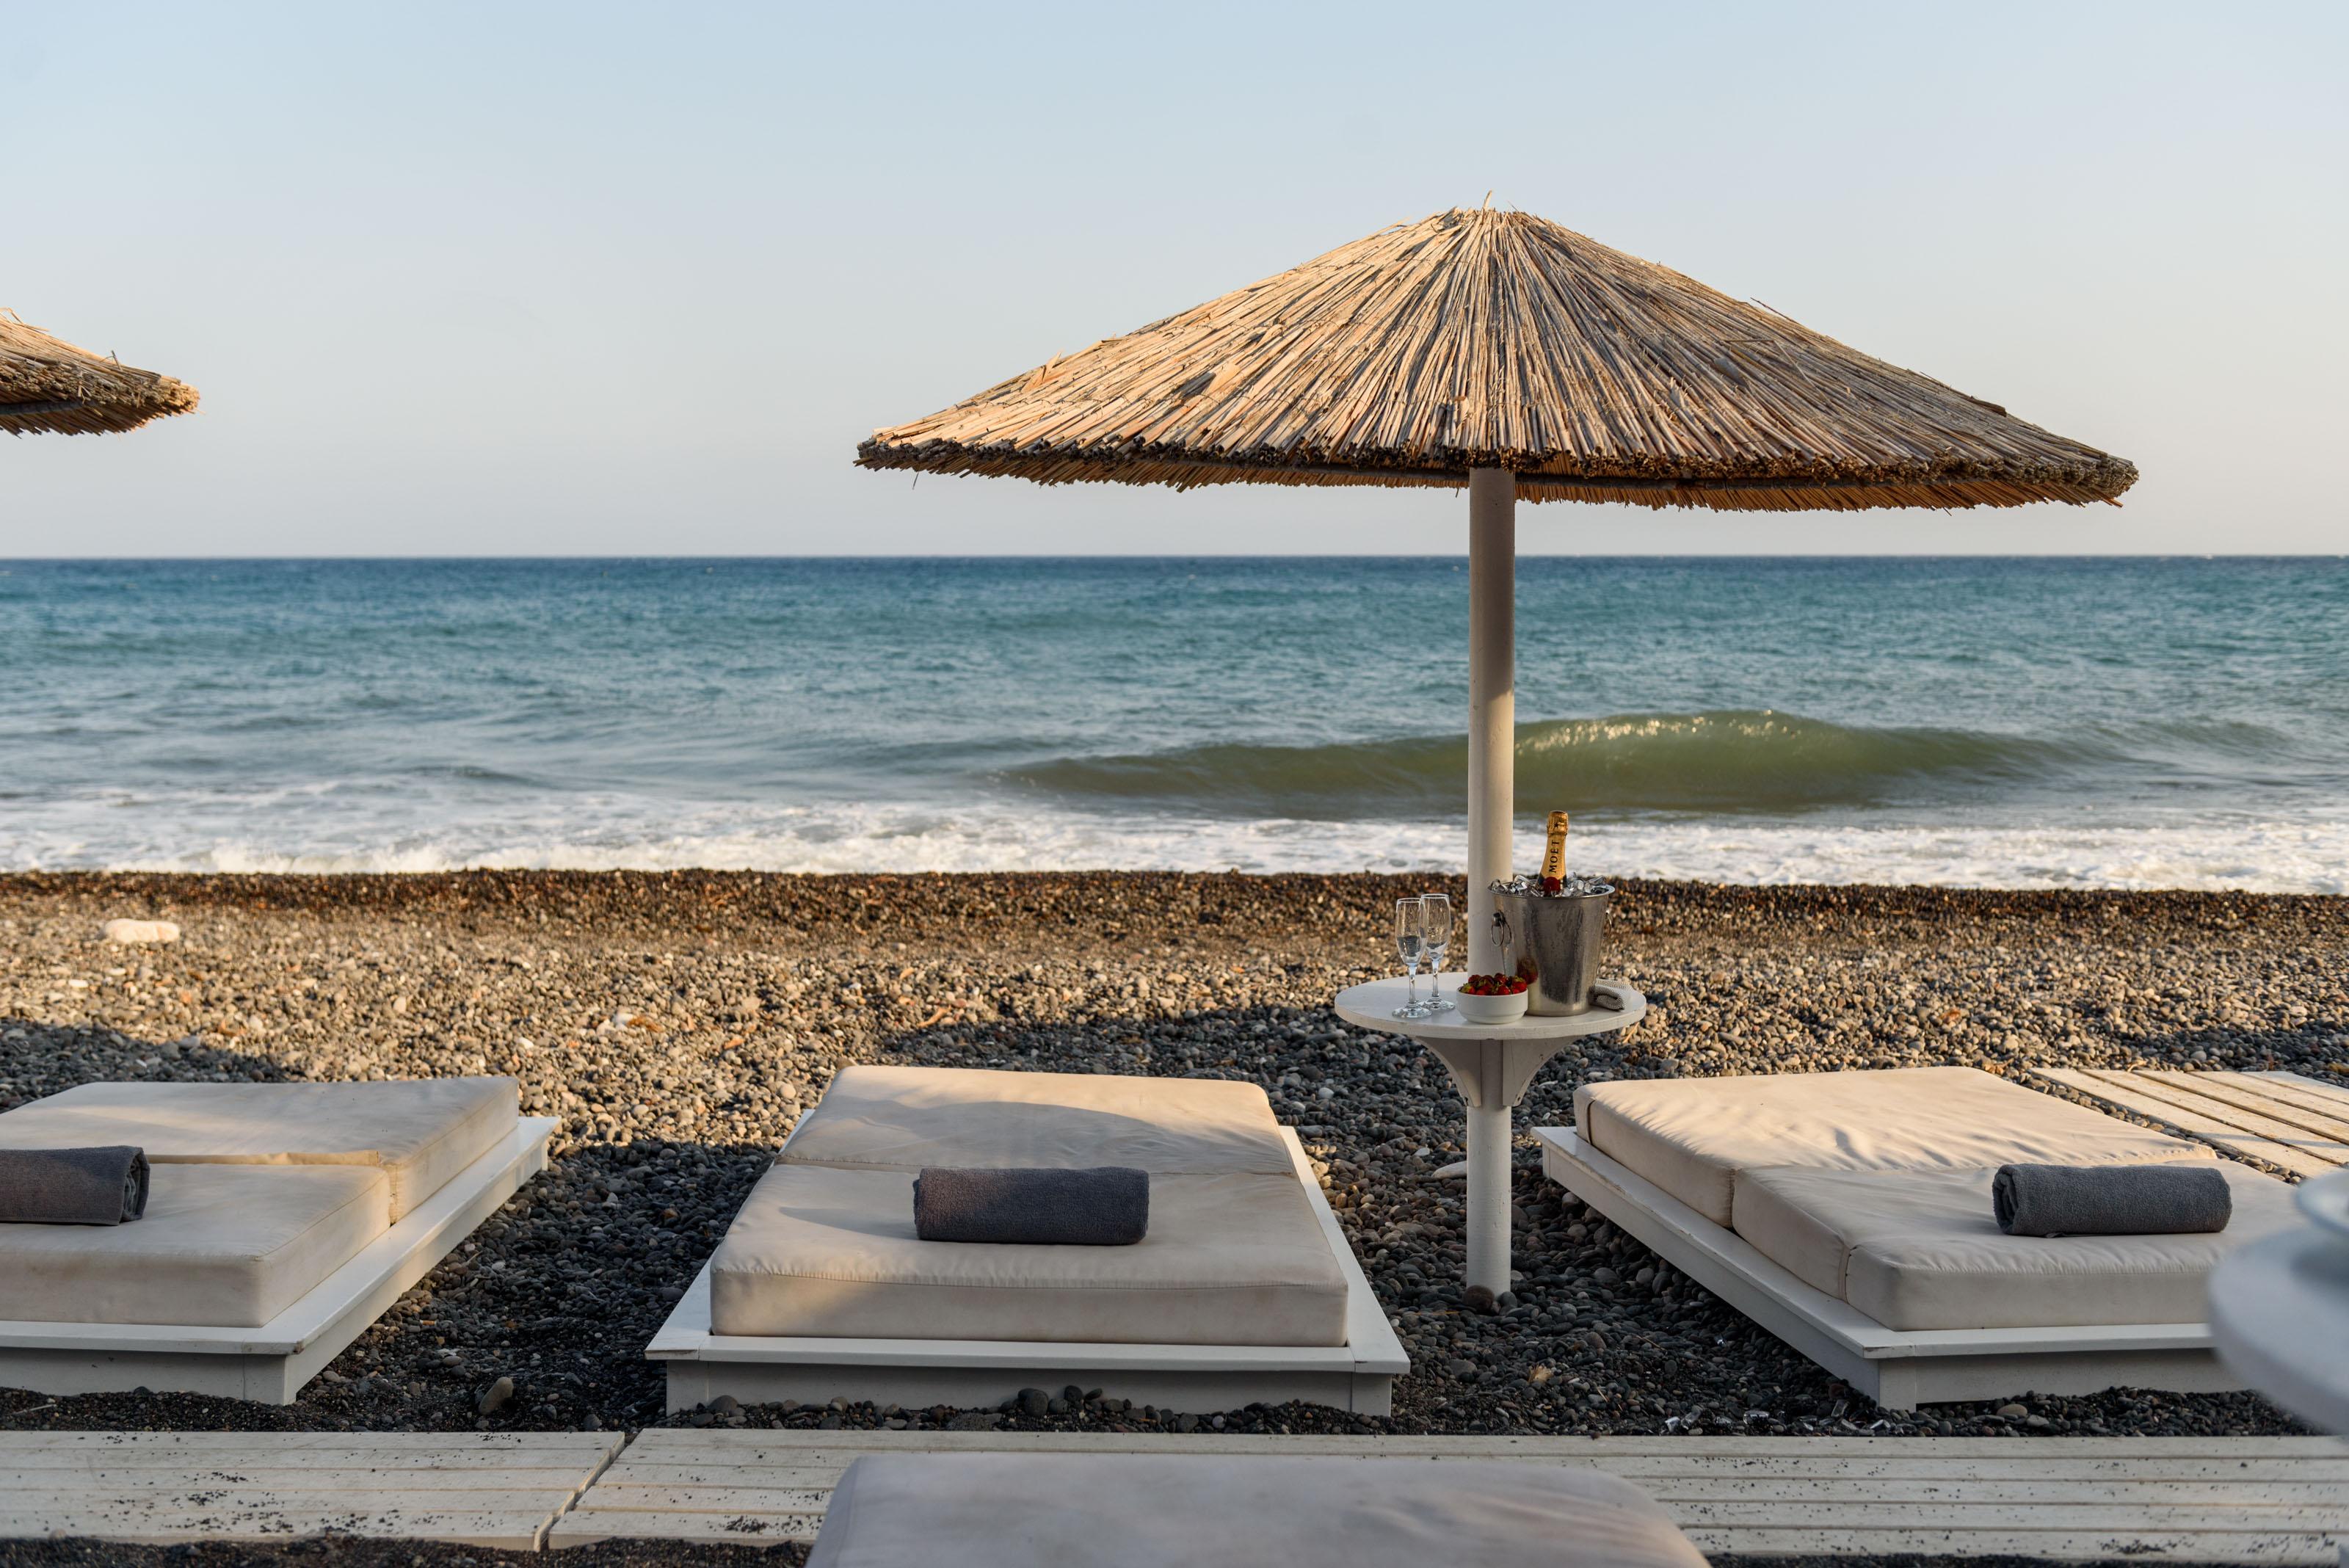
{"x": 619, "y": 833}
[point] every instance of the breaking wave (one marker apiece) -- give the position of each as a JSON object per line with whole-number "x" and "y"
{"x": 1741, "y": 761}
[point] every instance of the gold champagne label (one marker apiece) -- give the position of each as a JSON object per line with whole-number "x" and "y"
{"x": 1554, "y": 855}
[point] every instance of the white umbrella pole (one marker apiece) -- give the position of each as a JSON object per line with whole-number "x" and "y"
{"x": 1492, "y": 780}
{"x": 1492, "y": 698}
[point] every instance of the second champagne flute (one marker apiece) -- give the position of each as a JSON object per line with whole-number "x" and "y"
{"x": 1434, "y": 936}
{"x": 1410, "y": 928}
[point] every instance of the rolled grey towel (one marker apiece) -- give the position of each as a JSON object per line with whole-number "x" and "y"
{"x": 1107, "y": 1206}
{"x": 2166, "y": 1200}
{"x": 72, "y": 1185}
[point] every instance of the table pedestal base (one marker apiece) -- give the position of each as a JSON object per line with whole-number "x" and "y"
{"x": 1492, "y": 1076}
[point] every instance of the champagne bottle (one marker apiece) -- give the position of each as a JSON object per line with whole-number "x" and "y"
{"x": 1553, "y": 871}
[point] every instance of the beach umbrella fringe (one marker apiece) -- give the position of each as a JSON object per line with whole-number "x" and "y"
{"x": 51, "y": 386}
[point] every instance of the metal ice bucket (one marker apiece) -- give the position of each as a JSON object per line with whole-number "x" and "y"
{"x": 1553, "y": 941}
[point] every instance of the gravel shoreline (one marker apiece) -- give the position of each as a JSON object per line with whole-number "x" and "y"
{"x": 678, "y": 1024}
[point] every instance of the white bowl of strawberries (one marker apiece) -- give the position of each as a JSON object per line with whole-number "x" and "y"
{"x": 1492, "y": 998}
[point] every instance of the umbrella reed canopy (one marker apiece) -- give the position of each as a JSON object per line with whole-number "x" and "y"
{"x": 1497, "y": 340}
{"x": 48, "y": 384}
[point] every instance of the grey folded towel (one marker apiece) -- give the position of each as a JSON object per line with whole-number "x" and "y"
{"x": 1107, "y": 1206}
{"x": 72, "y": 1185}
{"x": 2166, "y": 1200}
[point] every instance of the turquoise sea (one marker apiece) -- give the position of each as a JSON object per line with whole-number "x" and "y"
{"x": 2138, "y": 723}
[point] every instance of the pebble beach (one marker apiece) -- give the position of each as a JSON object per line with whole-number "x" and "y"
{"x": 678, "y": 1023}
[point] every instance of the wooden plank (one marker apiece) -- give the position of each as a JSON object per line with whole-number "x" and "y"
{"x": 756, "y": 1498}
{"x": 585, "y": 1526}
{"x": 1875, "y": 1492}
{"x": 497, "y": 1490}
{"x": 437, "y": 1443}
{"x": 2294, "y": 1088}
{"x": 1988, "y": 1531}
{"x": 400, "y": 1479}
{"x": 1647, "y": 1468}
{"x": 687, "y": 1496}
{"x": 2185, "y": 1115}
{"x": 2205, "y": 1500}
{"x": 2286, "y": 1095}
{"x": 1652, "y": 1471}
{"x": 2207, "y": 1113}
{"x": 2302, "y": 1550}
{"x": 333, "y": 1469}
{"x": 2239, "y": 1098}
{"x": 516, "y": 1532}
{"x": 709, "y": 1442}
{"x": 2320, "y": 1130}
{"x": 1998, "y": 1514}
{"x": 361, "y": 1454}
{"x": 778, "y": 1495}
{"x": 229, "y": 1499}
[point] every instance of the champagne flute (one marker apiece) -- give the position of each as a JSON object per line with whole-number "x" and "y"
{"x": 1410, "y": 934}
{"x": 1434, "y": 936}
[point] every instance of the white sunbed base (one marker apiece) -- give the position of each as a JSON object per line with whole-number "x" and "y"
{"x": 1358, "y": 1375}
{"x": 1899, "y": 1370}
{"x": 270, "y": 1364}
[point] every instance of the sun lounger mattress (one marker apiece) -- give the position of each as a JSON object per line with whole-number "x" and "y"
{"x": 1692, "y": 1136}
{"x": 902, "y": 1118}
{"x": 222, "y": 1246}
{"x": 1175, "y": 1510}
{"x": 1230, "y": 1259}
{"x": 1919, "y": 1250}
{"x": 419, "y": 1133}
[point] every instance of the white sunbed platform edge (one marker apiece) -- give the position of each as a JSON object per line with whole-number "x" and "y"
{"x": 1358, "y": 1375}
{"x": 270, "y": 1364}
{"x": 1899, "y": 1370}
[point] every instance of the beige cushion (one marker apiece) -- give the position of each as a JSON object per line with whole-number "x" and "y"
{"x": 420, "y": 1133}
{"x": 903, "y": 1118}
{"x": 1692, "y": 1136}
{"x": 1918, "y": 1249}
{"x": 1181, "y": 1510}
{"x": 222, "y": 1246}
{"x": 1229, "y": 1260}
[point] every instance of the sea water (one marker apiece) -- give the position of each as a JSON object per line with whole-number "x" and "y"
{"x": 2116, "y": 723}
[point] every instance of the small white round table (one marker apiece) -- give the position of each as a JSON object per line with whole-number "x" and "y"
{"x": 1491, "y": 1065}
{"x": 2279, "y": 1314}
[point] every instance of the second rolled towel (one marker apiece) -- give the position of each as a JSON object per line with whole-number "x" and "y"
{"x": 1106, "y": 1206}
{"x": 2171, "y": 1198}
{"x": 72, "y": 1185}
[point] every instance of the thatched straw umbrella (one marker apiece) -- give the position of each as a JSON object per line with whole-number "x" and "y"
{"x": 1500, "y": 351}
{"x": 48, "y": 384}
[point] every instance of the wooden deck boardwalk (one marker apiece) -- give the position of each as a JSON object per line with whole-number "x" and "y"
{"x": 2217, "y": 1499}
{"x": 492, "y": 1488}
{"x": 2293, "y": 1123}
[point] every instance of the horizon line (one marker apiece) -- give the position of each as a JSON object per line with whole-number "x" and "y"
{"x": 1009, "y": 557}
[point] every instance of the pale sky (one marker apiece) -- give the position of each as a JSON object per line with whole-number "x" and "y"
{"x": 595, "y": 279}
